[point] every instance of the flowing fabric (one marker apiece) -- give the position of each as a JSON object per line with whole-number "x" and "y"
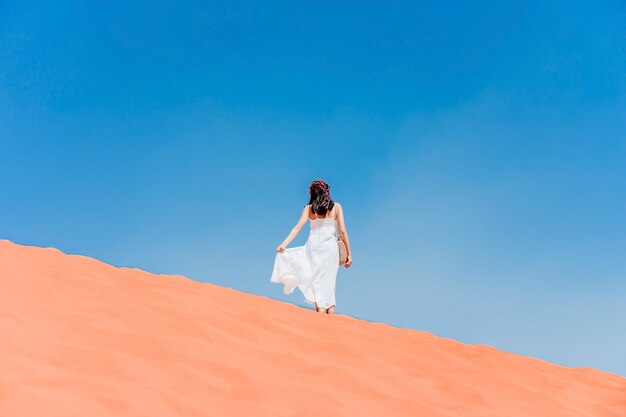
{"x": 313, "y": 267}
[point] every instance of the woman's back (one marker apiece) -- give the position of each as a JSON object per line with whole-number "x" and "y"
{"x": 331, "y": 215}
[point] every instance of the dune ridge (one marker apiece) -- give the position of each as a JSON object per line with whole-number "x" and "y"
{"x": 79, "y": 337}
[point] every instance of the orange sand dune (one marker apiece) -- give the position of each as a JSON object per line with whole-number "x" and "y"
{"x": 82, "y": 338}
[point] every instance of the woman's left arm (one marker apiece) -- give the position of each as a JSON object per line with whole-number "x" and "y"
{"x": 296, "y": 229}
{"x": 343, "y": 232}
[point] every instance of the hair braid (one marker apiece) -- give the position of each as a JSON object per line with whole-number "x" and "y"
{"x": 320, "y": 202}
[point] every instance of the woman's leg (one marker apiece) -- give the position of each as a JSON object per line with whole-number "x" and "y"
{"x": 320, "y": 309}
{"x": 331, "y": 310}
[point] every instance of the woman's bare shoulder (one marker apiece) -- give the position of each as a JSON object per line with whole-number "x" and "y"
{"x": 336, "y": 210}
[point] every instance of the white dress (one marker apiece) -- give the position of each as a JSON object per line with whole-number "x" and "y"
{"x": 313, "y": 267}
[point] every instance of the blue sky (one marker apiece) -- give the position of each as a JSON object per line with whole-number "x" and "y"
{"x": 478, "y": 150}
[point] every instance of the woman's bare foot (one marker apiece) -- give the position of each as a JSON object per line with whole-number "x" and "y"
{"x": 331, "y": 310}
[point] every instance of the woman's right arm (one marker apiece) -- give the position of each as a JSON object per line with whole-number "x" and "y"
{"x": 343, "y": 232}
{"x": 296, "y": 229}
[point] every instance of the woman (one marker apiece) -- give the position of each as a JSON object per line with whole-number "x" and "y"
{"x": 313, "y": 267}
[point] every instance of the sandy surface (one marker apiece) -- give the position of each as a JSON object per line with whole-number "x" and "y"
{"x": 82, "y": 338}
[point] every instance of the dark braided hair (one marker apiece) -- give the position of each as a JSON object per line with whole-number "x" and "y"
{"x": 320, "y": 201}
